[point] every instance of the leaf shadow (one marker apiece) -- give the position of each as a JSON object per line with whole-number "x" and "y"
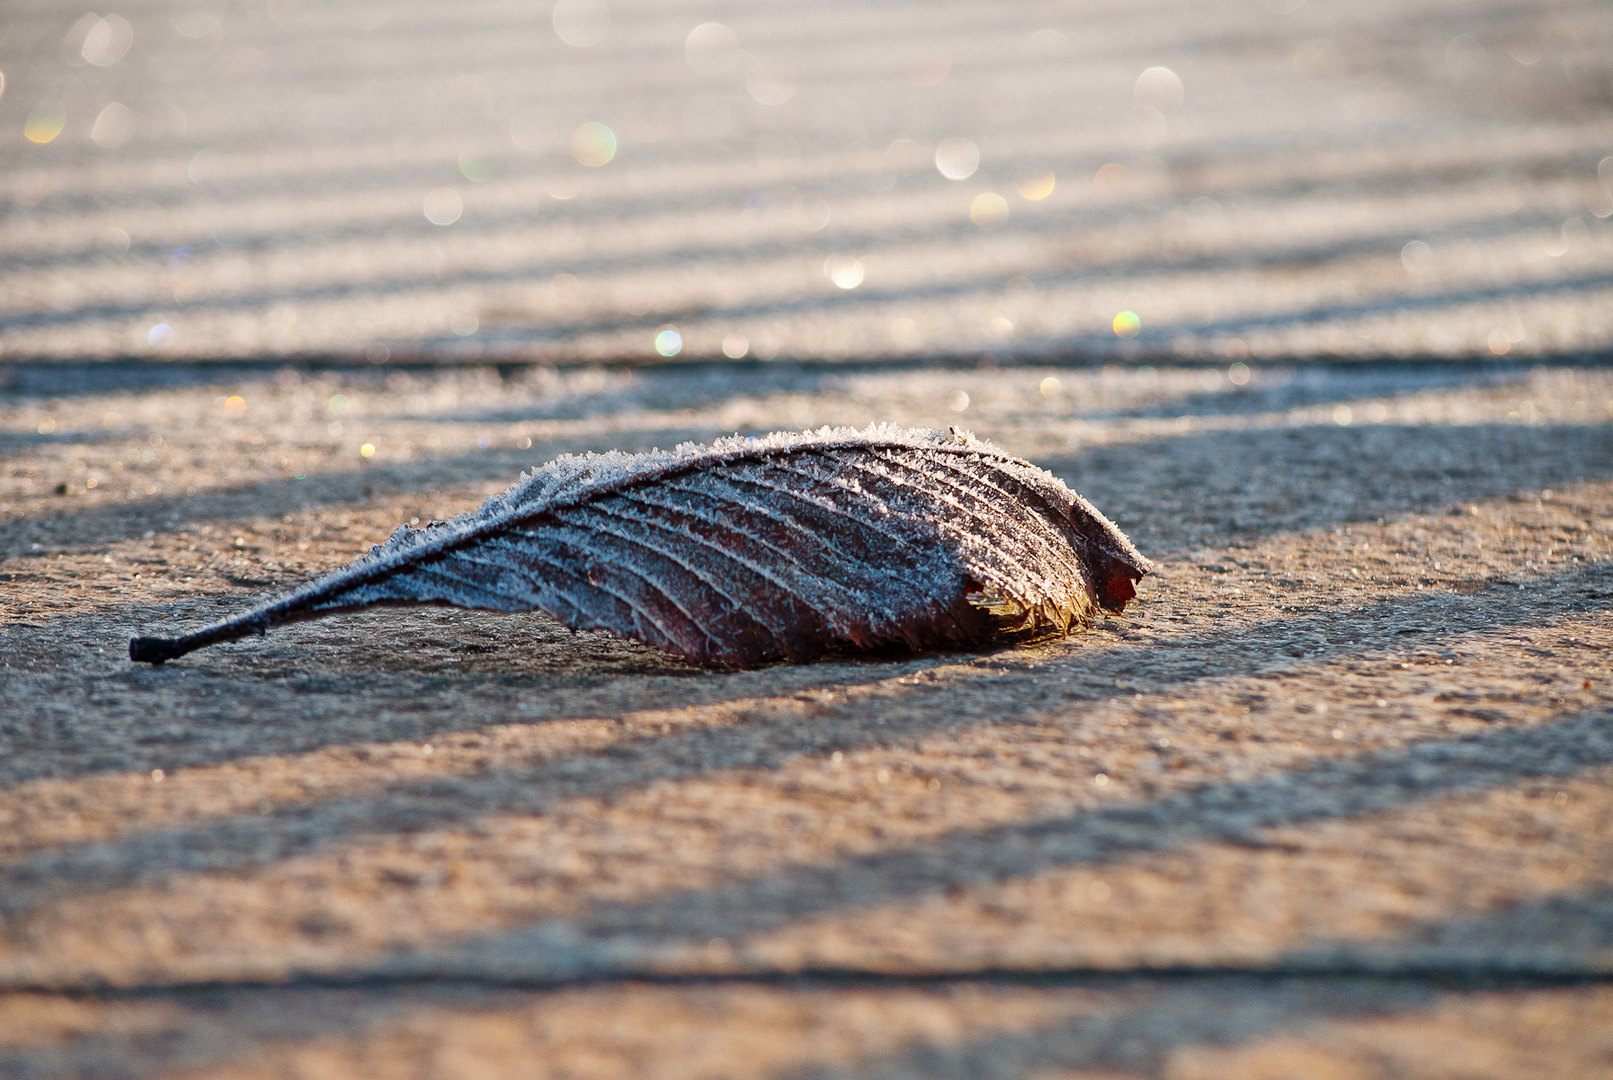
{"x": 1078, "y": 268}
{"x": 758, "y": 739}
{"x": 726, "y": 193}
{"x": 1142, "y": 1021}
{"x": 1128, "y": 1024}
{"x": 1279, "y": 387}
{"x": 614, "y": 937}
{"x": 1175, "y": 496}
{"x": 22, "y": 380}
{"x": 93, "y": 526}
{"x": 1093, "y": 343}
{"x": 1127, "y": 1019}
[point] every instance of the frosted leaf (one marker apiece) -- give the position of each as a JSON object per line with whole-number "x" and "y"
{"x": 752, "y": 549}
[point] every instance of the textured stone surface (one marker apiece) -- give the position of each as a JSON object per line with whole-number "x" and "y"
{"x": 1359, "y": 722}
{"x": 1205, "y": 1030}
{"x": 1333, "y": 799}
{"x": 265, "y": 188}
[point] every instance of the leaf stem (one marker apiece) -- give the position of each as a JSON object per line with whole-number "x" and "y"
{"x": 159, "y": 650}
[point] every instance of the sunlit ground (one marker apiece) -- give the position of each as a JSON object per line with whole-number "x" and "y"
{"x": 1167, "y": 179}
{"x": 1357, "y": 724}
{"x": 1313, "y": 300}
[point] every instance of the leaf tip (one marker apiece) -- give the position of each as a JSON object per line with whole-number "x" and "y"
{"x": 1115, "y": 591}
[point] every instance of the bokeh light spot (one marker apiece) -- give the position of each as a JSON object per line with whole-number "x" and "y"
{"x": 959, "y": 401}
{"x": 844, "y": 270}
{"x": 593, "y": 144}
{"x": 367, "y": 450}
{"x": 114, "y": 126}
{"x": 1205, "y": 211}
{"x": 477, "y": 168}
{"x": 1112, "y": 179}
{"x": 1051, "y": 387}
{"x": 1499, "y": 342}
{"x": 1159, "y": 88}
{"x": 988, "y": 209}
{"x": 581, "y": 23}
{"x": 1147, "y": 127}
{"x": 195, "y": 24}
{"x": 1416, "y": 256}
{"x": 45, "y": 122}
{"x": 735, "y": 346}
{"x": 668, "y": 342}
{"x": 1035, "y": 182}
{"x": 204, "y": 168}
{"x": 1342, "y": 416}
{"x": 957, "y": 158}
{"x": 108, "y": 41}
{"x": 443, "y": 206}
{"x": 760, "y": 206}
{"x": 1127, "y": 324}
{"x": 811, "y": 215}
{"x": 565, "y": 288}
{"x": 711, "y": 49}
{"x": 767, "y": 84}
{"x": 160, "y": 335}
{"x": 1238, "y": 374}
{"x": 561, "y": 187}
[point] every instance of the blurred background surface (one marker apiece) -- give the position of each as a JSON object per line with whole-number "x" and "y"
{"x": 619, "y": 180}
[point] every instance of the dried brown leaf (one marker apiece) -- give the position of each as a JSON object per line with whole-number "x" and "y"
{"x": 752, "y": 549}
